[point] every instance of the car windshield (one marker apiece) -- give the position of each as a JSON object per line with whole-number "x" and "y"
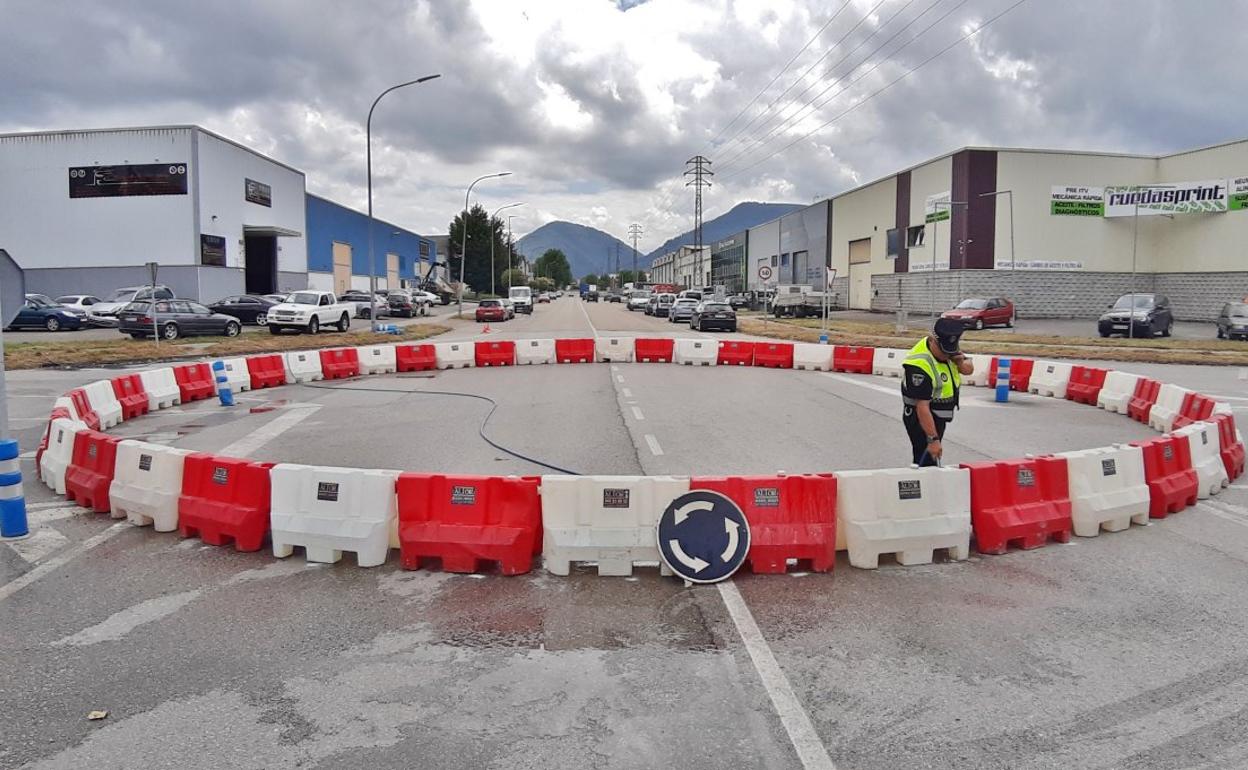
{"x": 304, "y": 298}
{"x": 40, "y": 302}
{"x": 972, "y": 304}
{"x": 687, "y": 301}
{"x": 122, "y": 295}
{"x": 70, "y": 300}
{"x": 641, "y": 295}
{"x": 1142, "y": 302}
{"x": 491, "y": 303}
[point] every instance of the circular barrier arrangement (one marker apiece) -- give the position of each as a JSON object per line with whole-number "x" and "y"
{"x": 468, "y": 522}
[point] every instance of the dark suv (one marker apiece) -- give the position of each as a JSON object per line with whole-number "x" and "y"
{"x": 1233, "y": 321}
{"x": 1138, "y": 315}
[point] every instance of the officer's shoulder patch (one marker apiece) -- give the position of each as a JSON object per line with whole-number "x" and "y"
{"x": 917, "y": 378}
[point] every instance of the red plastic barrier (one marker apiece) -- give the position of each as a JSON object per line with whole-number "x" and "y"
{"x": 650, "y": 350}
{"x": 1232, "y": 448}
{"x": 574, "y": 351}
{"x": 1172, "y": 482}
{"x": 736, "y": 353}
{"x": 1142, "y": 399}
{"x": 82, "y": 405}
{"x": 90, "y": 472}
{"x": 415, "y": 358}
{"x": 1020, "y": 373}
{"x": 495, "y": 353}
{"x": 774, "y": 355}
{"x": 61, "y": 411}
{"x": 266, "y": 371}
{"x": 1195, "y": 408}
{"x": 340, "y": 363}
{"x": 791, "y": 517}
{"x": 857, "y": 360}
{"x": 223, "y": 499}
{"x": 195, "y": 381}
{"x": 1085, "y": 384}
{"x": 464, "y": 520}
{"x": 1023, "y": 502}
{"x": 130, "y": 394}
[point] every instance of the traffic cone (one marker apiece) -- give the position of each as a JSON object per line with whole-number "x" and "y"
{"x": 486, "y": 330}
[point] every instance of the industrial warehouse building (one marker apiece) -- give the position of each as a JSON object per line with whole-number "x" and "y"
{"x": 85, "y": 211}
{"x": 1056, "y": 231}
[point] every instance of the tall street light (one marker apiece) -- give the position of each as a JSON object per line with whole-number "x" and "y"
{"x": 491, "y": 223}
{"x": 510, "y": 250}
{"x": 1013, "y": 275}
{"x": 463, "y": 251}
{"x": 368, "y": 134}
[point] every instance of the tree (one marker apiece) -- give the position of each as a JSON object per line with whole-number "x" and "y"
{"x": 481, "y": 229}
{"x": 542, "y": 284}
{"x": 591, "y": 278}
{"x": 553, "y": 264}
{"x": 512, "y": 277}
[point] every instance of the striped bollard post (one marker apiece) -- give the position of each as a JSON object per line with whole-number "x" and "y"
{"x": 1003, "y": 380}
{"x": 12, "y": 502}
{"x": 223, "y": 384}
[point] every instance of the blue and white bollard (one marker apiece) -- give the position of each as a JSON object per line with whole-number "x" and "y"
{"x": 12, "y": 501}
{"x": 1003, "y": 380}
{"x": 223, "y": 384}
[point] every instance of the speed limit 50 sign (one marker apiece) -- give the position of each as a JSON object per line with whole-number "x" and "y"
{"x": 764, "y": 272}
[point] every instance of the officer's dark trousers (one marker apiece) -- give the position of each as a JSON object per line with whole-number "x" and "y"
{"x": 918, "y": 437}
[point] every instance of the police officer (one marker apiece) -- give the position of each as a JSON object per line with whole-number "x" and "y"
{"x": 931, "y": 378}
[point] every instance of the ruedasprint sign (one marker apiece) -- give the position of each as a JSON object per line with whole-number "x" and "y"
{"x": 1211, "y": 196}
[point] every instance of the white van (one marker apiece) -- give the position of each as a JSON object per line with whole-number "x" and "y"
{"x": 522, "y": 296}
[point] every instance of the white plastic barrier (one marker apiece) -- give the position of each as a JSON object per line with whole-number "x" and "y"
{"x": 331, "y": 510}
{"x": 535, "y": 352}
{"x": 610, "y": 520}
{"x": 303, "y": 366}
{"x": 910, "y": 512}
{"x": 60, "y": 453}
{"x": 161, "y": 388}
{"x": 886, "y": 362}
{"x": 1206, "y": 448}
{"x": 236, "y": 374}
{"x": 67, "y": 403}
{"x": 1107, "y": 488}
{"x": 376, "y": 359}
{"x": 147, "y": 479}
{"x": 104, "y": 403}
{"x": 979, "y": 377}
{"x": 1115, "y": 394}
{"x": 1050, "y": 378}
{"x": 455, "y": 355}
{"x": 1169, "y": 402}
{"x": 811, "y": 357}
{"x": 1221, "y": 407}
{"x": 696, "y": 352}
{"x": 617, "y": 350}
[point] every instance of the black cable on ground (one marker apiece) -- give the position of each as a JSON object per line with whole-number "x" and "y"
{"x": 480, "y": 430}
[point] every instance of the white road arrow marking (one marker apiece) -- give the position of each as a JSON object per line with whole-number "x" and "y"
{"x": 731, "y": 528}
{"x": 683, "y": 511}
{"x": 692, "y": 562}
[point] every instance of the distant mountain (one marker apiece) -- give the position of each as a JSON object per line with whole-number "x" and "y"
{"x": 740, "y": 217}
{"x": 587, "y": 249}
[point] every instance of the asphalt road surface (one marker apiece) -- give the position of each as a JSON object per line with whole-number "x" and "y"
{"x": 1129, "y": 650}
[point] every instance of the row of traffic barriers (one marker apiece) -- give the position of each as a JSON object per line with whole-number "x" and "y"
{"x": 466, "y": 523}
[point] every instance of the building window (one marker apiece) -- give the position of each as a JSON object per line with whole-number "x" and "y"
{"x": 773, "y": 260}
{"x": 915, "y": 236}
{"x": 894, "y": 242}
{"x": 424, "y": 248}
{"x": 784, "y": 260}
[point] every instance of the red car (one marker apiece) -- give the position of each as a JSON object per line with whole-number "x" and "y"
{"x": 978, "y": 313}
{"x": 491, "y": 310}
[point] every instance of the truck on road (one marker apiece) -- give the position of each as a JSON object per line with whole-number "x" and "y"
{"x": 522, "y": 296}
{"x": 307, "y": 311}
{"x": 800, "y": 301}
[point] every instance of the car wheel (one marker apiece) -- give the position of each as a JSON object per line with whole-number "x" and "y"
{"x": 1010, "y": 323}
{"x": 1220, "y": 334}
{"x": 232, "y": 329}
{"x": 262, "y": 319}
{"x": 274, "y": 329}
{"x": 1166, "y": 332}
{"x": 314, "y": 325}
{"x": 52, "y": 324}
{"x": 979, "y": 324}
{"x": 170, "y": 332}
{"x": 344, "y": 322}
{"x": 1105, "y": 334}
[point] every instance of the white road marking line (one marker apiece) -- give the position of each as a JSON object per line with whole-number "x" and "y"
{"x": 614, "y": 368}
{"x": 45, "y": 515}
{"x": 1227, "y": 398}
{"x": 637, "y": 414}
{"x": 810, "y": 750}
{"x": 48, "y": 504}
{"x": 619, "y": 378}
{"x": 17, "y": 584}
{"x": 271, "y": 430}
{"x": 628, "y": 393}
{"x": 119, "y": 624}
{"x": 653, "y": 443}
{"x": 27, "y": 455}
{"x": 896, "y": 390}
{"x": 43, "y": 541}
{"x": 1234, "y": 519}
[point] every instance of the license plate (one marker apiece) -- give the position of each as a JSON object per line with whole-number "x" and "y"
{"x": 1120, "y": 326}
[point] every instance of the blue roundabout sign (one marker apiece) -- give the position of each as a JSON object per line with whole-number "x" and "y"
{"x": 703, "y": 536}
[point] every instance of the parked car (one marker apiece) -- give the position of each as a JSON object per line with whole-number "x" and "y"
{"x": 662, "y": 304}
{"x": 615, "y": 297}
{"x": 977, "y": 313}
{"x": 1151, "y": 314}
{"x": 78, "y": 304}
{"x": 490, "y": 310}
{"x": 39, "y": 312}
{"x": 277, "y": 297}
{"x": 712, "y": 314}
{"x": 739, "y": 301}
{"x": 543, "y": 297}
{"x": 105, "y": 313}
{"x": 308, "y": 311}
{"x": 638, "y": 300}
{"x": 690, "y": 294}
{"x": 1233, "y": 321}
{"x": 682, "y": 309}
{"x": 428, "y": 297}
{"x": 248, "y": 308}
{"x": 509, "y": 306}
{"x": 175, "y": 318}
{"x": 363, "y": 303}
{"x": 404, "y": 302}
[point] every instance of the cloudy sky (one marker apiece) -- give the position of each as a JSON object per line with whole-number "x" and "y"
{"x": 594, "y": 105}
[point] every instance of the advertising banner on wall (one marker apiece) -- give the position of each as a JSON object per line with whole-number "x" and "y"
{"x": 1238, "y": 198}
{"x": 1077, "y": 201}
{"x": 1039, "y": 264}
{"x": 933, "y": 212}
{"x": 1207, "y": 197}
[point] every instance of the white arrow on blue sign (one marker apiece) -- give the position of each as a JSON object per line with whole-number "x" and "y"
{"x": 703, "y": 536}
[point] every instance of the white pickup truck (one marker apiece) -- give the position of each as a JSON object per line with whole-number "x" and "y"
{"x": 309, "y": 311}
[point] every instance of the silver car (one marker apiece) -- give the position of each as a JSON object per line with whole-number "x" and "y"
{"x": 682, "y": 310}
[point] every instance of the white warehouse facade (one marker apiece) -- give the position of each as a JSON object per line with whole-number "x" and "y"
{"x": 84, "y": 211}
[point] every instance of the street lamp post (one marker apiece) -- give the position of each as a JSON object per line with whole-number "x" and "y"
{"x": 510, "y": 249}
{"x": 1013, "y": 275}
{"x": 935, "y": 241}
{"x": 463, "y": 250}
{"x": 491, "y": 224}
{"x": 368, "y": 152}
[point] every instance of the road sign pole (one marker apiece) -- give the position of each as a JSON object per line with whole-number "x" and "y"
{"x": 152, "y": 267}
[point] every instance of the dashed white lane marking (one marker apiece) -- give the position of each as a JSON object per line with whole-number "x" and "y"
{"x": 896, "y": 390}
{"x": 614, "y": 368}
{"x": 653, "y": 443}
{"x": 45, "y": 515}
{"x": 269, "y": 431}
{"x": 619, "y": 378}
{"x": 637, "y": 414}
{"x": 628, "y": 393}
{"x": 119, "y": 624}
{"x": 810, "y": 750}
{"x": 43, "y": 541}
{"x": 47, "y": 504}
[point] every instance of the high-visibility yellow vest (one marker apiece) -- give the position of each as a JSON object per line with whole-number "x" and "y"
{"x": 946, "y": 380}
